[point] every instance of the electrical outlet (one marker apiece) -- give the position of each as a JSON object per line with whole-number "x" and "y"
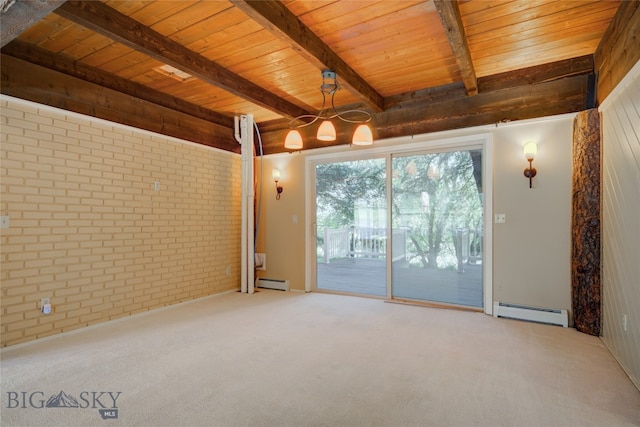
{"x": 45, "y": 306}
{"x": 156, "y": 185}
{"x": 500, "y": 218}
{"x": 4, "y": 221}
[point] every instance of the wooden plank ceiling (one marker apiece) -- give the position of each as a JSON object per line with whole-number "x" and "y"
{"x": 416, "y": 66}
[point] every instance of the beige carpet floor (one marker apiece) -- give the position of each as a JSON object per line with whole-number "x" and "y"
{"x": 294, "y": 359}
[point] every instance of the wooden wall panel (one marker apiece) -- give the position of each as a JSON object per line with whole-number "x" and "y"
{"x": 621, "y": 224}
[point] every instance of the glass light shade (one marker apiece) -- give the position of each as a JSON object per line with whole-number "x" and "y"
{"x": 362, "y": 136}
{"x": 275, "y": 174}
{"x": 530, "y": 150}
{"x": 326, "y": 131}
{"x": 293, "y": 140}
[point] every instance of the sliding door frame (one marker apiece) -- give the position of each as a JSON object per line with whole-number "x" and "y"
{"x": 386, "y": 149}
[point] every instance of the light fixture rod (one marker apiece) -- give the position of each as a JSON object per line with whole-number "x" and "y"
{"x": 530, "y": 172}
{"x": 329, "y": 86}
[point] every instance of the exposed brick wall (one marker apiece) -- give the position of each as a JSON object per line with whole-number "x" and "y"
{"x": 88, "y": 230}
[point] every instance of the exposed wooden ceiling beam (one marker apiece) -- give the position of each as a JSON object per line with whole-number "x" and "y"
{"x": 523, "y": 102}
{"x": 538, "y": 74}
{"x": 104, "y": 20}
{"x": 564, "y": 95}
{"x": 35, "y": 83}
{"x": 425, "y": 96}
{"x": 439, "y": 109}
{"x": 21, "y": 15}
{"x": 619, "y": 49}
{"x": 452, "y": 21}
{"x": 48, "y": 59}
{"x": 279, "y": 21}
{"x": 617, "y": 28}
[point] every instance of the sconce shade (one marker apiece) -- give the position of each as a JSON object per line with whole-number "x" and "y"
{"x": 326, "y": 131}
{"x": 362, "y": 136}
{"x": 293, "y": 140}
{"x": 530, "y": 150}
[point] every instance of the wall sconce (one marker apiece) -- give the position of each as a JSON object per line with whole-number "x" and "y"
{"x": 530, "y": 151}
{"x": 276, "y": 177}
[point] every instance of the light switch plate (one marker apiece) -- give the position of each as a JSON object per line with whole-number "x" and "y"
{"x": 4, "y": 221}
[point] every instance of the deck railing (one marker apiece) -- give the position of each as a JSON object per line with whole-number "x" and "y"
{"x": 468, "y": 245}
{"x": 362, "y": 242}
{"x": 336, "y": 244}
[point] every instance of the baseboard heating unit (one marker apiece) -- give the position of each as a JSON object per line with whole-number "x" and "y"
{"x": 281, "y": 285}
{"x": 550, "y": 316}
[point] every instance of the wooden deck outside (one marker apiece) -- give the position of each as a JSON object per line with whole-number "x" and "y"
{"x": 368, "y": 276}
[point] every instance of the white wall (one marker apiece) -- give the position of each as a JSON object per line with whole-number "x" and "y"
{"x": 531, "y": 250}
{"x": 621, "y": 223}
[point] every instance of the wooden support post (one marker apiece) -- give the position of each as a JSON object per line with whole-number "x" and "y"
{"x": 585, "y": 223}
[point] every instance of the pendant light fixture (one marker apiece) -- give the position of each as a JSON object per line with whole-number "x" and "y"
{"x": 326, "y": 130}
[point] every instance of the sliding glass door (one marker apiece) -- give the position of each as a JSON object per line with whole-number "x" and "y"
{"x": 437, "y": 223}
{"x": 351, "y": 227}
{"x": 407, "y": 225}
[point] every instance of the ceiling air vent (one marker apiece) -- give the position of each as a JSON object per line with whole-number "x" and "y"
{"x": 174, "y": 73}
